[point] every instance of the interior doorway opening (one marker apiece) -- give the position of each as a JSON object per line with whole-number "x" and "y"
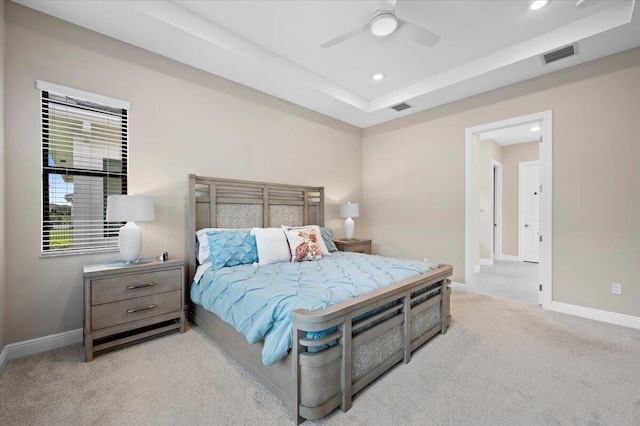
{"x": 494, "y": 236}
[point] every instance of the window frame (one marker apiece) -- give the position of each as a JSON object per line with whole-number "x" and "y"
{"x": 110, "y": 105}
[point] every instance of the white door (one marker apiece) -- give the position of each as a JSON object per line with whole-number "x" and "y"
{"x": 530, "y": 211}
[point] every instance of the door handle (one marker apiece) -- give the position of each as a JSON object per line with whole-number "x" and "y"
{"x": 526, "y": 225}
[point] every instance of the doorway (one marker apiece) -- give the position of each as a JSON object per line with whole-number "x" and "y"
{"x": 504, "y": 254}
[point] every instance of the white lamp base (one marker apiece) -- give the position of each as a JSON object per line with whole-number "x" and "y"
{"x": 130, "y": 242}
{"x": 349, "y": 227}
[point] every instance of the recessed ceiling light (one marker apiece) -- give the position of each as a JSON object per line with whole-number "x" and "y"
{"x": 535, "y": 128}
{"x": 378, "y": 76}
{"x": 538, "y": 4}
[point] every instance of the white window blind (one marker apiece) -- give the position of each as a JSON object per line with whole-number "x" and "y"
{"x": 84, "y": 160}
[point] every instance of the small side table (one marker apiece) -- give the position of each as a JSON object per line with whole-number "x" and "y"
{"x": 354, "y": 245}
{"x": 123, "y": 304}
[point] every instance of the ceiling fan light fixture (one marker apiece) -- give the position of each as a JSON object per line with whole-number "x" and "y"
{"x": 378, "y": 76}
{"x": 383, "y": 23}
{"x": 538, "y": 4}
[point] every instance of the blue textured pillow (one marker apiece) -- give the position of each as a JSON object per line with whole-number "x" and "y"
{"x": 232, "y": 247}
{"x": 327, "y": 236}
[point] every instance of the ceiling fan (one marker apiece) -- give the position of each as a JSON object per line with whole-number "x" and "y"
{"x": 384, "y": 22}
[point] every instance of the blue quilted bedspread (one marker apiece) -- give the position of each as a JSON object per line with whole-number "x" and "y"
{"x": 259, "y": 300}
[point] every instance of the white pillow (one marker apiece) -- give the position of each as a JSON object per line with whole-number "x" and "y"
{"x": 321, "y": 245}
{"x": 272, "y": 245}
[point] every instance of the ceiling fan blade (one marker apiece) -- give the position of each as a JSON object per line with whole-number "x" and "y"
{"x": 417, "y": 34}
{"x": 345, "y": 36}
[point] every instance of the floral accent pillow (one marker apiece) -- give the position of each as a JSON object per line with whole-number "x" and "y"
{"x": 303, "y": 244}
{"x": 324, "y": 250}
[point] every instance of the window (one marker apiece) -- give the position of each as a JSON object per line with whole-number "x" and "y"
{"x": 84, "y": 159}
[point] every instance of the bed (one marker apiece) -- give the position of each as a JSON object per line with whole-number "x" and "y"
{"x": 335, "y": 351}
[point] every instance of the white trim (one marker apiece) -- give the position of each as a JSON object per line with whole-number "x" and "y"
{"x": 81, "y": 94}
{"x": 596, "y": 314}
{"x": 546, "y": 178}
{"x": 40, "y": 344}
{"x": 458, "y": 287}
{"x": 521, "y": 166}
{"x": 497, "y": 211}
{"x": 486, "y": 262}
{"x": 476, "y": 268}
{"x": 510, "y": 258}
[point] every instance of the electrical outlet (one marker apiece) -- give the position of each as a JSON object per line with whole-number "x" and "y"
{"x": 425, "y": 259}
{"x": 616, "y": 288}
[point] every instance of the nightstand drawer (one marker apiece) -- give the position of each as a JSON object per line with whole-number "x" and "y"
{"x": 116, "y": 313}
{"x": 357, "y": 248}
{"x": 117, "y": 288}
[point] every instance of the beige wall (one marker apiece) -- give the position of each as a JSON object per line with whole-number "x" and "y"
{"x": 487, "y": 152}
{"x": 2, "y": 176}
{"x": 181, "y": 121}
{"x": 414, "y": 168}
{"x": 512, "y": 155}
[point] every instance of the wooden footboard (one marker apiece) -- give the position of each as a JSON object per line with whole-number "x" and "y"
{"x": 362, "y": 347}
{"x": 372, "y": 334}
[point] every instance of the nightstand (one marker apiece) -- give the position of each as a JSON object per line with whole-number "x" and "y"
{"x": 354, "y": 245}
{"x": 123, "y": 304}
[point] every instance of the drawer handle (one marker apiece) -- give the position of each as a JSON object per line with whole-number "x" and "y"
{"x": 135, "y": 287}
{"x": 130, "y": 311}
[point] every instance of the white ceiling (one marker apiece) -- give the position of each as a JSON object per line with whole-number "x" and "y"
{"x": 274, "y": 46}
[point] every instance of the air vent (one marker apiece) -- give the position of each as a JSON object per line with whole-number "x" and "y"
{"x": 401, "y": 107}
{"x": 561, "y": 53}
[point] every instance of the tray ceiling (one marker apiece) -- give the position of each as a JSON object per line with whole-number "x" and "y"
{"x": 274, "y": 46}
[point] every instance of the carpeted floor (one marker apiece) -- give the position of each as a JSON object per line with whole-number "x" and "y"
{"x": 501, "y": 363}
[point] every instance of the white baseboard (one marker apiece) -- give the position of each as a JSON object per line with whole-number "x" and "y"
{"x": 509, "y": 257}
{"x": 458, "y": 287}
{"x": 476, "y": 268}
{"x": 40, "y": 344}
{"x": 486, "y": 262}
{"x": 596, "y": 314}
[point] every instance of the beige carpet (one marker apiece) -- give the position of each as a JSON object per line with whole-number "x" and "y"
{"x": 502, "y": 363}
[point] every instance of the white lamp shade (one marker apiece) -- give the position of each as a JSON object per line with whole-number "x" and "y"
{"x": 129, "y": 208}
{"x": 349, "y": 210}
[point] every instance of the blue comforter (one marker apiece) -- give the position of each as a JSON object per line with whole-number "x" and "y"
{"x": 259, "y": 300}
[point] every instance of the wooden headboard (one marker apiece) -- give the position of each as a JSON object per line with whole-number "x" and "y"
{"x": 227, "y": 203}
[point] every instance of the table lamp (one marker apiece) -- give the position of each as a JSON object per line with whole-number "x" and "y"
{"x": 130, "y": 209}
{"x": 349, "y": 210}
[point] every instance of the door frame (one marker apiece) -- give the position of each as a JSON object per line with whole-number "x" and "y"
{"x": 497, "y": 210}
{"x": 545, "y": 117}
{"x": 521, "y": 165}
